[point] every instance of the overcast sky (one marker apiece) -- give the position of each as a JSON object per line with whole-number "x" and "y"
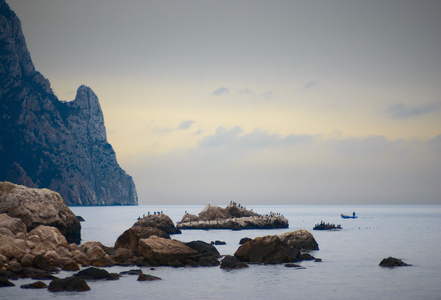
{"x": 259, "y": 102}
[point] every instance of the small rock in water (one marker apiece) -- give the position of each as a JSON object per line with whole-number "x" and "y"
{"x": 35, "y": 285}
{"x": 392, "y": 262}
{"x": 294, "y": 266}
{"x": 5, "y": 282}
{"x": 146, "y": 277}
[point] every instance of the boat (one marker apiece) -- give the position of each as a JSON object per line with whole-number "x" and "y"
{"x": 349, "y": 217}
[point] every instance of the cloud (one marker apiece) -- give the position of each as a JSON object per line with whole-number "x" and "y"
{"x": 310, "y": 85}
{"x": 185, "y": 124}
{"x": 268, "y": 95}
{"x": 403, "y": 111}
{"x": 221, "y": 91}
{"x": 235, "y": 138}
{"x": 245, "y": 91}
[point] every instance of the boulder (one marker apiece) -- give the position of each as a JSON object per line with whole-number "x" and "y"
{"x": 244, "y": 240}
{"x": 301, "y": 239}
{"x": 146, "y": 277}
{"x": 37, "y": 207}
{"x": 15, "y": 225}
{"x": 123, "y": 256}
{"x": 96, "y": 254}
{"x": 270, "y": 249}
{"x": 392, "y": 262}
{"x": 159, "y": 221}
{"x": 163, "y": 251}
{"x": 34, "y": 285}
{"x": 93, "y": 273}
{"x": 46, "y": 238}
{"x": 231, "y": 262}
{"x": 4, "y": 282}
{"x": 72, "y": 283}
{"x": 130, "y": 238}
{"x": 204, "y": 248}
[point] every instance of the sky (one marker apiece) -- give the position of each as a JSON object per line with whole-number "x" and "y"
{"x": 257, "y": 102}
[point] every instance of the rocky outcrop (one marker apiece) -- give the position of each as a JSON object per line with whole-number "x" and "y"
{"x": 53, "y": 144}
{"x": 35, "y": 207}
{"x": 234, "y": 216}
{"x": 273, "y": 249}
{"x": 392, "y": 262}
{"x": 326, "y": 226}
{"x": 160, "y": 221}
{"x": 268, "y": 249}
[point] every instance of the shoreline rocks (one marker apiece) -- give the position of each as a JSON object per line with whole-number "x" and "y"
{"x": 35, "y": 207}
{"x": 234, "y": 216}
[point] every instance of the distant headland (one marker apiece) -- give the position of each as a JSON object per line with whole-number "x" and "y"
{"x": 48, "y": 143}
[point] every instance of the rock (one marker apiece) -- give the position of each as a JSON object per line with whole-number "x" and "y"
{"x": 392, "y": 262}
{"x": 269, "y": 249}
{"x": 130, "y": 238}
{"x": 123, "y": 256}
{"x": 146, "y": 277}
{"x": 244, "y": 240}
{"x": 326, "y": 226}
{"x": 301, "y": 239}
{"x": 4, "y": 282}
{"x": 166, "y": 252}
{"x": 208, "y": 261}
{"x": 47, "y": 238}
{"x": 96, "y": 254}
{"x": 306, "y": 256}
{"x": 34, "y": 285}
{"x": 297, "y": 266}
{"x": 81, "y": 219}
{"x": 231, "y": 262}
{"x": 51, "y": 143}
{"x": 31, "y": 272}
{"x": 42, "y": 263}
{"x": 204, "y": 248}
{"x": 70, "y": 267}
{"x": 15, "y": 225}
{"x": 37, "y": 207}
{"x": 131, "y": 272}
{"x": 159, "y": 221}
{"x": 93, "y": 273}
{"x": 233, "y": 217}
{"x": 219, "y": 243}
{"x": 72, "y": 283}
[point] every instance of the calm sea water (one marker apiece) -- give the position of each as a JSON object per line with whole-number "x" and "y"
{"x": 349, "y": 267}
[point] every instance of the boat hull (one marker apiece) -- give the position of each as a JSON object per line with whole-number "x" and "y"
{"x": 348, "y": 217}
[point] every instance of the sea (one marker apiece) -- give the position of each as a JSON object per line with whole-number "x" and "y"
{"x": 349, "y": 268}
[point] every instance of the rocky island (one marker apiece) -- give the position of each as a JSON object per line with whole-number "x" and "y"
{"x": 234, "y": 216}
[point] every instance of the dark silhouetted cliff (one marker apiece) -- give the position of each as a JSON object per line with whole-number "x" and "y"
{"x": 53, "y": 144}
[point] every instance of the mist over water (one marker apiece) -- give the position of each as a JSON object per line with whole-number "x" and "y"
{"x": 349, "y": 266}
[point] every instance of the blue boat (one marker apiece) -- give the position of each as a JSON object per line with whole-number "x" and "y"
{"x": 349, "y": 217}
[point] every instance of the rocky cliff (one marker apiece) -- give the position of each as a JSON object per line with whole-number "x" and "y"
{"x": 47, "y": 143}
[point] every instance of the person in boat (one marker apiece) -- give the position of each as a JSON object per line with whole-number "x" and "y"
{"x": 353, "y": 214}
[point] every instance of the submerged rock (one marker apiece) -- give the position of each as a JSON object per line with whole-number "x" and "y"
{"x": 146, "y": 277}
{"x": 34, "y": 285}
